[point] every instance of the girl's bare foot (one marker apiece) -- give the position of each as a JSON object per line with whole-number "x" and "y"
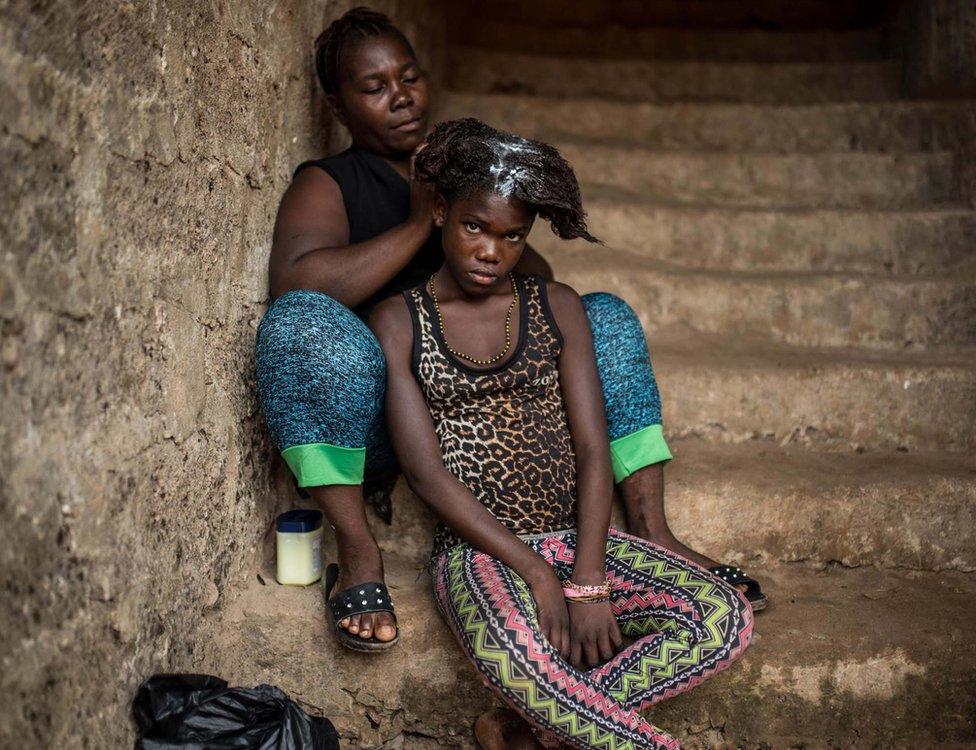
{"x": 503, "y": 729}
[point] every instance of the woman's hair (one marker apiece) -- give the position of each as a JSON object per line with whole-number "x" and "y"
{"x": 354, "y": 25}
{"x": 461, "y": 157}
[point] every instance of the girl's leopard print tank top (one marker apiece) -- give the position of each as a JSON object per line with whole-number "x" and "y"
{"x": 503, "y": 430}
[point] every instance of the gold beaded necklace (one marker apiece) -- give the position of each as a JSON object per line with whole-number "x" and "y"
{"x": 508, "y": 324}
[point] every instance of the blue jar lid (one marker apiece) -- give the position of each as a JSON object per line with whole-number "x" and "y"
{"x": 299, "y": 521}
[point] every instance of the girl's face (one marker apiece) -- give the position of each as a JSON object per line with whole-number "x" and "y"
{"x": 382, "y": 96}
{"x": 483, "y": 238}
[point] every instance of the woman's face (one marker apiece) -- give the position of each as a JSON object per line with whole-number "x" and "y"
{"x": 382, "y": 96}
{"x": 483, "y": 238}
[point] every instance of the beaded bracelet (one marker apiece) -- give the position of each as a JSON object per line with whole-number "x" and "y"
{"x": 587, "y": 599}
{"x": 577, "y": 592}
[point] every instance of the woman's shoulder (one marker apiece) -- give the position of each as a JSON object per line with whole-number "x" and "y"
{"x": 332, "y": 165}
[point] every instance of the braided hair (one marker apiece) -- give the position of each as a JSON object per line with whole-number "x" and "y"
{"x": 461, "y": 157}
{"x": 354, "y": 25}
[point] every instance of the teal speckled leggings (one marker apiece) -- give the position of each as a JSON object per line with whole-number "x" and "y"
{"x": 322, "y": 377}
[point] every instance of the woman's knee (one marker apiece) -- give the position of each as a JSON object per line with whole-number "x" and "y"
{"x": 321, "y": 373}
{"x": 307, "y": 330}
{"x": 610, "y": 314}
{"x": 314, "y": 321}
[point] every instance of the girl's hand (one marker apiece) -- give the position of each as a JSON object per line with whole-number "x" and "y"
{"x": 547, "y": 590}
{"x": 594, "y": 635}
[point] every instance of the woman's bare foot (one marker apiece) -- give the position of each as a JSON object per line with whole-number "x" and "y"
{"x": 503, "y": 729}
{"x": 643, "y": 500}
{"x": 360, "y": 560}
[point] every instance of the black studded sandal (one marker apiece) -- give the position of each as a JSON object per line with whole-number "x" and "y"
{"x": 357, "y": 600}
{"x": 737, "y": 577}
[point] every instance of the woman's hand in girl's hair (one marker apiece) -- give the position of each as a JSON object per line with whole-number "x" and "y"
{"x": 421, "y": 195}
{"x": 547, "y": 590}
{"x": 594, "y": 635}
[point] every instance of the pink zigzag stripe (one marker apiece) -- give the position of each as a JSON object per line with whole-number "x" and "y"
{"x": 643, "y": 601}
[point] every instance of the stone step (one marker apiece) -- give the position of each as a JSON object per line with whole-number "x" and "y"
{"x": 617, "y": 40}
{"x": 853, "y": 658}
{"x": 480, "y": 71}
{"x": 825, "y": 180}
{"x": 700, "y": 14}
{"x": 900, "y": 242}
{"x": 733, "y": 389}
{"x": 861, "y": 126}
{"x": 759, "y": 500}
{"x": 801, "y": 309}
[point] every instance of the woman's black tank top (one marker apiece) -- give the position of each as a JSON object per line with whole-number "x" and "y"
{"x": 377, "y": 198}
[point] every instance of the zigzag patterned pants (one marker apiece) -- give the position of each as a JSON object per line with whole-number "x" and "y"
{"x": 687, "y": 625}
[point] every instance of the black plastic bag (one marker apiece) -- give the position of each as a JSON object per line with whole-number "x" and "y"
{"x": 199, "y": 712}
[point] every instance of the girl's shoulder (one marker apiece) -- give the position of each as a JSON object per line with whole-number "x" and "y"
{"x": 558, "y": 302}
{"x": 390, "y": 321}
{"x": 560, "y": 296}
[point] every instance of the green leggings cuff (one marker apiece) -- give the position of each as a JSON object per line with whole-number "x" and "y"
{"x": 637, "y": 450}
{"x": 315, "y": 464}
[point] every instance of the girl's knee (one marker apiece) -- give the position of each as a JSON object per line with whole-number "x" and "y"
{"x": 738, "y": 634}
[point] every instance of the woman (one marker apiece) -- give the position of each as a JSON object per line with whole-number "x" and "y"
{"x": 353, "y": 229}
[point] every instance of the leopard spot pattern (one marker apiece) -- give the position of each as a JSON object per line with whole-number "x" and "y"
{"x": 503, "y": 431}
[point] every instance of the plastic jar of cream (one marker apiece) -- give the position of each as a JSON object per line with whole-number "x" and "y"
{"x": 299, "y": 547}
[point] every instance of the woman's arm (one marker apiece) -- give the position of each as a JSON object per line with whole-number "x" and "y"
{"x": 418, "y": 452}
{"x": 311, "y": 247}
{"x": 594, "y": 629}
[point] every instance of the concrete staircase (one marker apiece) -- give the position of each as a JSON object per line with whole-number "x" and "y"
{"x": 788, "y": 231}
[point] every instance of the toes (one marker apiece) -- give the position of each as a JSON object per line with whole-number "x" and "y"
{"x": 366, "y": 627}
{"x": 354, "y": 623}
{"x": 344, "y": 622}
{"x": 385, "y": 627}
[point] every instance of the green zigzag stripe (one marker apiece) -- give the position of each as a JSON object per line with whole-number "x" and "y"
{"x": 674, "y": 652}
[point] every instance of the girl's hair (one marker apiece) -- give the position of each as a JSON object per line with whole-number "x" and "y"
{"x": 354, "y": 25}
{"x": 461, "y": 157}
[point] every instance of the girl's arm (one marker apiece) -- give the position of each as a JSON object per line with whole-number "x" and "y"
{"x": 418, "y": 452}
{"x": 579, "y": 381}
{"x": 594, "y": 629}
{"x": 311, "y": 249}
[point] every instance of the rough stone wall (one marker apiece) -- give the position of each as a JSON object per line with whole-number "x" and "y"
{"x": 145, "y": 146}
{"x": 937, "y": 41}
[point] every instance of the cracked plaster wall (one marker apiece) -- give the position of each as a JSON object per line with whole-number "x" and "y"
{"x": 145, "y": 147}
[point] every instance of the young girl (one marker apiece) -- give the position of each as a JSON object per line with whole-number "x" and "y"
{"x": 496, "y": 416}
